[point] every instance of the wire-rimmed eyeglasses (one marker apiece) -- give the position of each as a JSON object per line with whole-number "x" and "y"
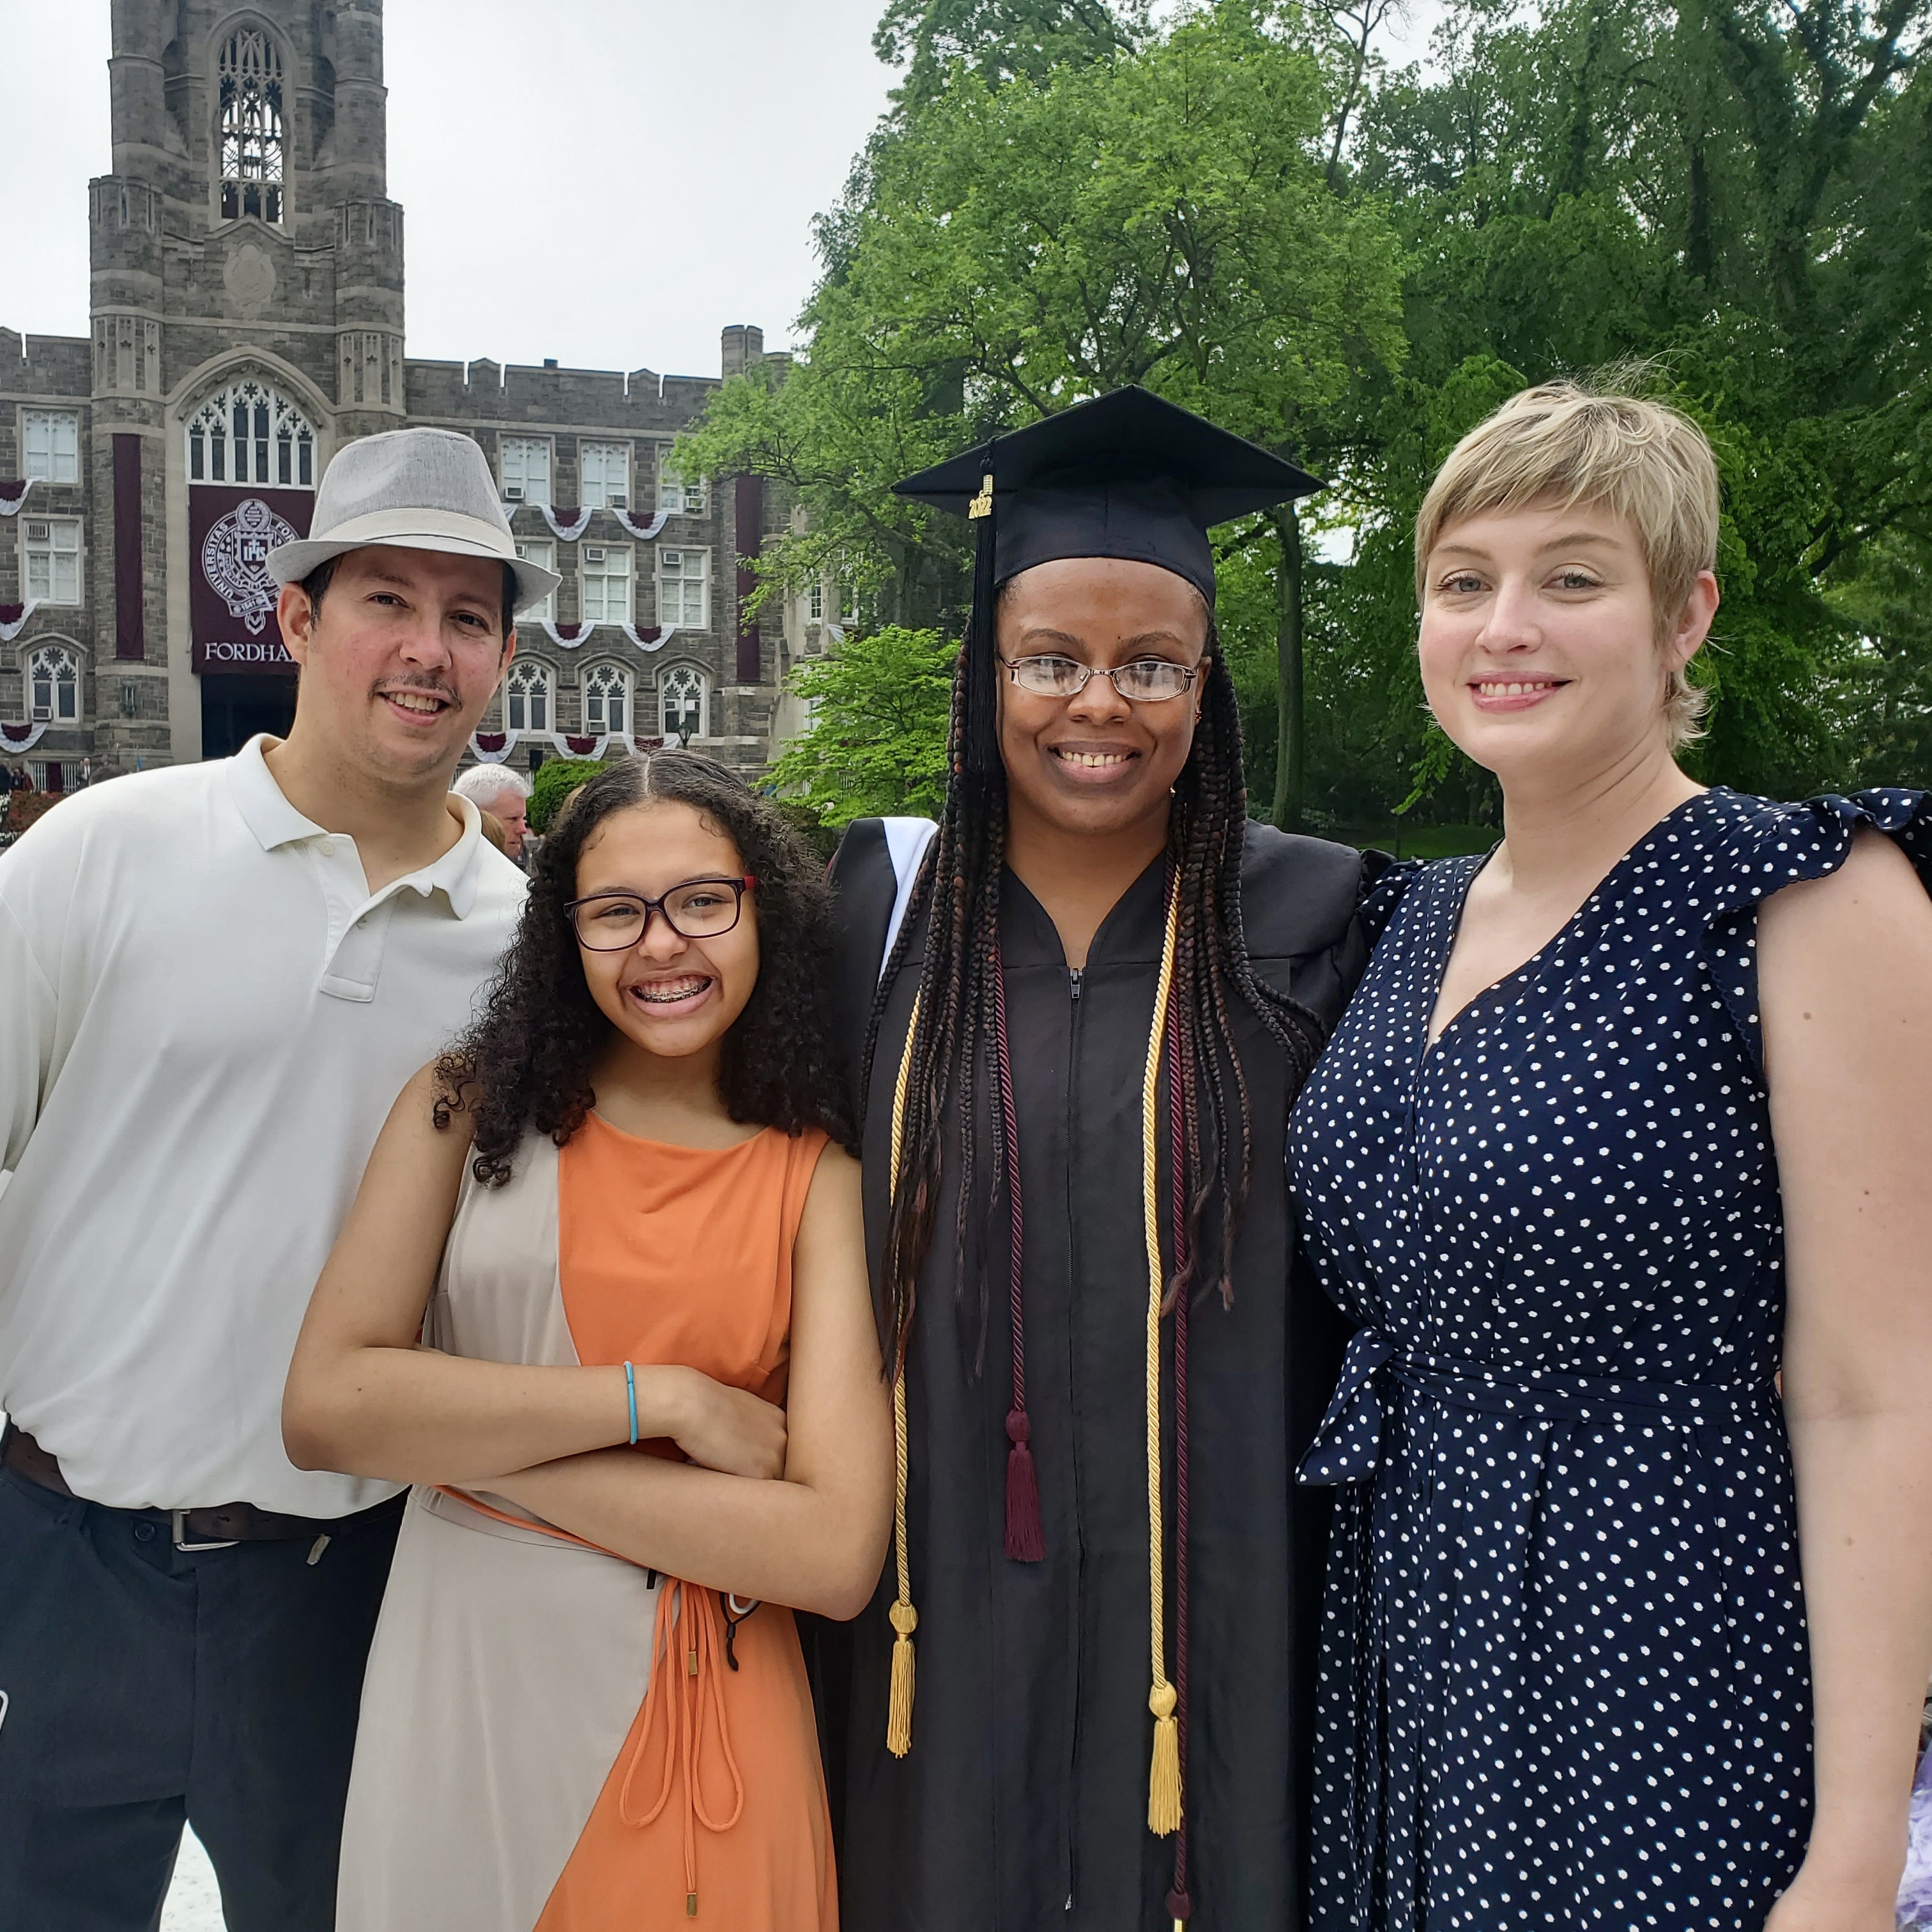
{"x": 698, "y": 909}
{"x": 1145, "y": 681}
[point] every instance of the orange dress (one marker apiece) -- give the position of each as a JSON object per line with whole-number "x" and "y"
{"x": 553, "y": 1739}
{"x": 716, "y": 1809}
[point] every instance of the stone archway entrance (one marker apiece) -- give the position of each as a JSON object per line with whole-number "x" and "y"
{"x": 235, "y": 708}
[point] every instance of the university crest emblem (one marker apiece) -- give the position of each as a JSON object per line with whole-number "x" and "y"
{"x": 234, "y": 560}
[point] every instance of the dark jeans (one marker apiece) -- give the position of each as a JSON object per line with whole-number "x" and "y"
{"x": 146, "y": 1686}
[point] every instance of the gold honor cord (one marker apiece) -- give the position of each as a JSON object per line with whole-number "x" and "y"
{"x": 1164, "y": 1775}
{"x": 905, "y": 1618}
{"x": 1164, "y": 1781}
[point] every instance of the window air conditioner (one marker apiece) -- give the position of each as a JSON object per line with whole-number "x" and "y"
{"x": 513, "y": 493}
{"x": 593, "y": 553}
{"x": 39, "y": 533}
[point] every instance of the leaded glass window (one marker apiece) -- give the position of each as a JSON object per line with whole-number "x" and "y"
{"x": 606, "y": 699}
{"x": 527, "y": 698}
{"x": 681, "y": 695}
{"x": 250, "y": 432}
{"x": 251, "y": 126}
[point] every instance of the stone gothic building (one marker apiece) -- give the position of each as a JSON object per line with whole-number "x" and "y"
{"x": 247, "y": 320}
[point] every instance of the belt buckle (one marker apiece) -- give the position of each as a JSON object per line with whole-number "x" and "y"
{"x": 179, "y": 1518}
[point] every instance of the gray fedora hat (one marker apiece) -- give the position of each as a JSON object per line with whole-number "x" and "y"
{"x": 414, "y": 489}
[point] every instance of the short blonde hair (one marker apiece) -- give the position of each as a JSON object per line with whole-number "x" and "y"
{"x": 1563, "y": 444}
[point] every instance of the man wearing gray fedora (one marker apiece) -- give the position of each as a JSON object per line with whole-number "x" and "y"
{"x": 217, "y": 977}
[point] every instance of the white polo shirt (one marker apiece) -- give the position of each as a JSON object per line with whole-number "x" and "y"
{"x": 205, "y": 1018}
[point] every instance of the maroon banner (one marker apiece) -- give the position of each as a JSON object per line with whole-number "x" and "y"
{"x": 231, "y": 596}
{"x": 131, "y": 643}
{"x": 750, "y": 536}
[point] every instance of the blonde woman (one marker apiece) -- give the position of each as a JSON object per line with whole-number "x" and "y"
{"x": 1625, "y": 1118}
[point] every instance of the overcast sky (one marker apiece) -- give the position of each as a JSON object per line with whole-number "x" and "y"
{"x": 606, "y": 182}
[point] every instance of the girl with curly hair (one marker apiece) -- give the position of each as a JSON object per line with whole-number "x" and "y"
{"x": 620, "y": 1214}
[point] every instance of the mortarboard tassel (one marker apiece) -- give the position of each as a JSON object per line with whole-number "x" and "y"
{"x": 904, "y": 1618}
{"x": 982, "y": 757}
{"x": 980, "y": 670}
{"x": 1164, "y": 1777}
{"x": 1025, "y": 1538}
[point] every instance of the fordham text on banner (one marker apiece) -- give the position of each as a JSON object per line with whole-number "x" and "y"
{"x": 231, "y": 596}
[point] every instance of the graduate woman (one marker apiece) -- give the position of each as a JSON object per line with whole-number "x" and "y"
{"x": 1082, "y": 1011}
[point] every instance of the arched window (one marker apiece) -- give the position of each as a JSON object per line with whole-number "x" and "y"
{"x": 53, "y": 685}
{"x": 681, "y": 692}
{"x": 606, "y": 699}
{"x": 251, "y": 126}
{"x": 527, "y": 703}
{"x": 250, "y": 432}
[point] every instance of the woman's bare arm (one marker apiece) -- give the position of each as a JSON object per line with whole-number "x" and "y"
{"x": 815, "y": 1541}
{"x": 363, "y": 1397}
{"x": 1846, "y": 990}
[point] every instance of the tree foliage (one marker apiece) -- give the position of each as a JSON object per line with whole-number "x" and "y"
{"x": 1018, "y": 242}
{"x": 877, "y": 742}
{"x": 1245, "y": 210}
{"x": 557, "y": 778}
{"x": 998, "y": 40}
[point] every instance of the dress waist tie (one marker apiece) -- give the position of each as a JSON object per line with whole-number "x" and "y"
{"x": 1347, "y": 1452}
{"x": 1347, "y": 1447}
{"x": 687, "y": 1685}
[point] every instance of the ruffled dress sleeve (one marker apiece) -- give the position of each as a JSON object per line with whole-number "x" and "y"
{"x": 1773, "y": 846}
{"x": 1384, "y": 881}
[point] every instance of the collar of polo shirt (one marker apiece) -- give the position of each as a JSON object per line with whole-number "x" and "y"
{"x": 273, "y": 821}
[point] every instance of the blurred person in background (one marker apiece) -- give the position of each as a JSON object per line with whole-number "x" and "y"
{"x": 505, "y": 795}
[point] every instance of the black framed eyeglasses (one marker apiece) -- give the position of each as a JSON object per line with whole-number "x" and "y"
{"x": 1145, "y": 681}
{"x": 698, "y": 909}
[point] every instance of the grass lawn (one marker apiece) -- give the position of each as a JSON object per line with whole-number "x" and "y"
{"x": 1420, "y": 842}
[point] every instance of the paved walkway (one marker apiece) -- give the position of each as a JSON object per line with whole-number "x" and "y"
{"x": 194, "y": 1904}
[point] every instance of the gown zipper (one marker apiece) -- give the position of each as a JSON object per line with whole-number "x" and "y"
{"x": 1068, "y": 1839}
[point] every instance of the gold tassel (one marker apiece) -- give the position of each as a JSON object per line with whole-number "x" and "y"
{"x": 1164, "y": 1779}
{"x": 905, "y": 1618}
{"x": 899, "y": 1715}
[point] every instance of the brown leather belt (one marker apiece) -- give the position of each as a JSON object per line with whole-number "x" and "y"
{"x": 213, "y": 1528}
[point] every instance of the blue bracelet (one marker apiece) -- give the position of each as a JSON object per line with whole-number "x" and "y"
{"x": 631, "y": 1394}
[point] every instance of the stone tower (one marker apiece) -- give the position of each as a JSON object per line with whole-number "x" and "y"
{"x": 250, "y": 185}
{"x": 246, "y": 301}
{"x": 246, "y": 225}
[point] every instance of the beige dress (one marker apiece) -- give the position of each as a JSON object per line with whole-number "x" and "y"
{"x": 515, "y": 1771}
{"x": 457, "y": 1680}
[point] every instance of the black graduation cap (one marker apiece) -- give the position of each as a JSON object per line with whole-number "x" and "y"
{"x": 1125, "y": 475}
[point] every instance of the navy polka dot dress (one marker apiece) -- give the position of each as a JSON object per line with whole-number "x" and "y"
{"x": 1565, "y": 1679}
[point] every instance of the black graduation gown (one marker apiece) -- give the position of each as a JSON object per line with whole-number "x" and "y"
{"x": 1023, "y": 1804}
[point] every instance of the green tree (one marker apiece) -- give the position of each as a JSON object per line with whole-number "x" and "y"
{"x": 999, "y": 40}
{"x": 557, "y": 778}
{"x": 1162, "y": 216}
{"x": 1740, "y": 197}
{"x": 876, "y": 744}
